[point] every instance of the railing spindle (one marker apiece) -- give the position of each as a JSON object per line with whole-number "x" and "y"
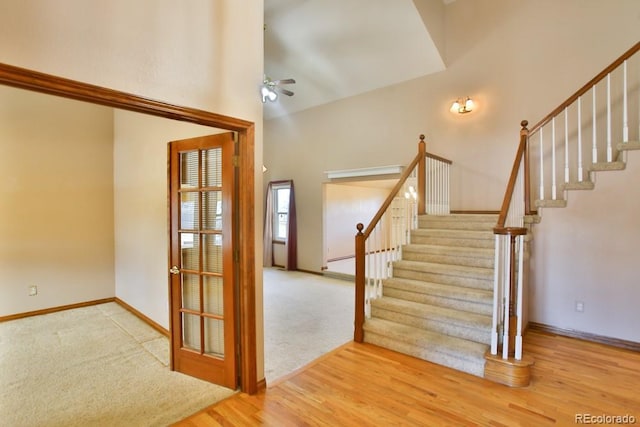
{"x": 580, "y": 169}
{"x": 553, "y": 159}
{"x": 566, "y": 145}
{"x": 609, "y": 148}
{"x": 518, "y": 341}
{"x": 625, "y": 106}
{"x": 506, "y": 296}
{"x": 541, "y": 165}
{"x": 594, "y": 117}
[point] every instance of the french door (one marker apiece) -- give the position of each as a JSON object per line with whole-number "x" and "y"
{"x": 202, "y": 239}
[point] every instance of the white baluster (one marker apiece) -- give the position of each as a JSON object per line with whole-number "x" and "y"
{"x": 580, "y": 170}
{"x": 609, "y": 149}
{"x": 448, "y": 186}
{"x": 566, "y": 145}
{"x": 496, "y": 297}
{"x": 594, "y": 153}
{"x": 541, "y": 166}
{"x": 625, "y": 106}
{"x": 553, "y": 159}
{"x": 367, "y": 279}
{"x": 518, "y": 343}
{"x": 506, "y": 296}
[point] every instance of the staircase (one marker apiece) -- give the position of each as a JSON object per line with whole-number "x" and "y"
{"x": 451, "y": 289}
{"x": 437, "y": 305}
{"x": 616, "y": 165}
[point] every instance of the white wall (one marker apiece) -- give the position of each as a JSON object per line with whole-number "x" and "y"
{"x": 518, "y": 59}
{"x": 588, "y": 252}
{"x": 56, "y": 201}
{"x": 206, "y": 54}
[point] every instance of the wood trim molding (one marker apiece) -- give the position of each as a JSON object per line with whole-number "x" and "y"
{"x": 585, "y": 336}
{"x": 142, "y": 317}
{"x": 55, "y": 309}
{"x": 45, "y": 83}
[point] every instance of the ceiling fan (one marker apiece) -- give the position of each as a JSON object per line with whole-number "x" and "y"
{"x": 270, "y": 88}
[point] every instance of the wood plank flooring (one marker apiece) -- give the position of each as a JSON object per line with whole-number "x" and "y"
{"x": 364, "y": 385}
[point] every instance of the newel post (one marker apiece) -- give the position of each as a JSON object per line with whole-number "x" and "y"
{"x": 422, "y": 176}
{"x": 524, "y": 139}
{"x": 358, "y": 334}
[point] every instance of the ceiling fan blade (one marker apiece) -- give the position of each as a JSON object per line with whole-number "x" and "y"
{"x": 285, "y": 91}
{"x": 284, "y": 81}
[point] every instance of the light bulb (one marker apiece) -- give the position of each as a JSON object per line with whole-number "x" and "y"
{"x": 468, "y": 104}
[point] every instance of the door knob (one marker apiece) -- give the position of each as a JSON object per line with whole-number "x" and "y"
{"x": 174, "y": 270}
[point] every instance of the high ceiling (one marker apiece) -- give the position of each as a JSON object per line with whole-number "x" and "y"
{"x": 340, "y": 48}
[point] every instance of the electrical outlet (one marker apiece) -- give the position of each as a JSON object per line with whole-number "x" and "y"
{"x": 579, "y": 306}
{"x": 33, "y": 290}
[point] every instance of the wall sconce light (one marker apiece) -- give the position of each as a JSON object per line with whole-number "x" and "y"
{"x": 461, "y": 106}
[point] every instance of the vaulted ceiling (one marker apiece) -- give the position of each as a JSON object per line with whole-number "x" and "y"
{"x": 340, "y": 48}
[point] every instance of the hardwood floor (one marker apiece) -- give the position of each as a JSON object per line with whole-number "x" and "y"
{"x": 364, "y": 385}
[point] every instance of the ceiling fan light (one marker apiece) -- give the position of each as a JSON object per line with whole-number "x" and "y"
{"x": 264, "y": 91}
{"x": 272, "y": 96}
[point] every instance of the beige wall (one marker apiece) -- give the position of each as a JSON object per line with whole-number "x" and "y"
{"x": 56, "y": 214}
{"x": 588, "y": 252}
{"x": 345, "y": 205}
{"x": 206, "y": 54}
{"x": 519, "y": 59}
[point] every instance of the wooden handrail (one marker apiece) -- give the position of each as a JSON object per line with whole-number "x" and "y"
{"x": 441, "y": 159}
{"x": 504, "y": 210}
{"x": 584, "y": 89}
{"x": 394, "y": 192}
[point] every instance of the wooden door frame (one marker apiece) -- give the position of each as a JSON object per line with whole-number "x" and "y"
{"x": 46, "y": 83}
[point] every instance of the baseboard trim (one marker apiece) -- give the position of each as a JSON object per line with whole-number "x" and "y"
{"x": 262, "y": 385}
{"x": 586, "y": 336}
{"x": 142, "y": 317}
{"x": 317, "y": 273}
{"x": 55, "y": 309}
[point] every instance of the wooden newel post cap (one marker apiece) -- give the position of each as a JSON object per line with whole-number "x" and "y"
{"x": 422, "y": 137}
{"x": 360, "y": 227}
{"x": 524, "y": 124}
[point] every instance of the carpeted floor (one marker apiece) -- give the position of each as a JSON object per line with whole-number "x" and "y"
{"x": 102, "y": 366}
{"x": 305, "y": 316}
{"x": 93, "y": 366}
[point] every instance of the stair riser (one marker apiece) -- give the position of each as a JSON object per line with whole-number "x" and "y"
{"x": 485, "y": 308}
{"x": 442, "y": 326}
{"x": 455, "y": 225}
{"x": 470, "y": 366}
{"x": 448, "y": 259}
{"x": 457, "y": 242}
{"x": 468, "y": 282}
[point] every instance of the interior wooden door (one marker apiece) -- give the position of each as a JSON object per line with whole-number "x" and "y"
{"x": 202, "y": 239}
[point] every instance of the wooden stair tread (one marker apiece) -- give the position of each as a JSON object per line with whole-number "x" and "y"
{"x": 550, "y": 203}
{"x": 607, "y": 166}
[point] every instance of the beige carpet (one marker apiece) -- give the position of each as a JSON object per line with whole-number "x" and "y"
{"x": 93, "y": 366}
{"x": 305, "y": 316}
